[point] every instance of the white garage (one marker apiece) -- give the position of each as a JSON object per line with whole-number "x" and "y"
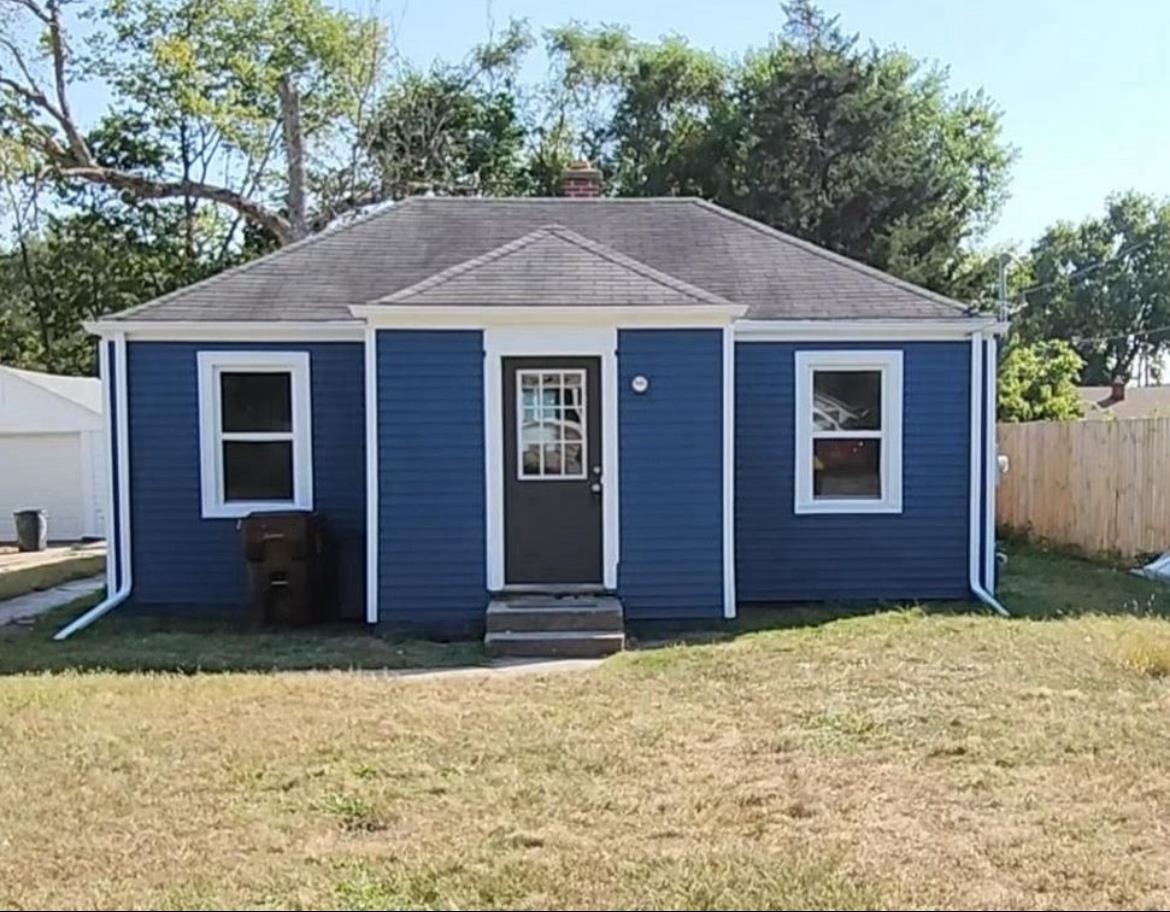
{"x": 52, "y": 452}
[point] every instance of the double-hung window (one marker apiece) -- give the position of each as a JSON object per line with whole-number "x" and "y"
{"x": 848, "y": 432}
{"x": 255, "y": 440}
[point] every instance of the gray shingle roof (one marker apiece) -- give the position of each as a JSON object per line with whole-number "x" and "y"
{"x": 553, "y": 266}
{"x": 696, "y": 243}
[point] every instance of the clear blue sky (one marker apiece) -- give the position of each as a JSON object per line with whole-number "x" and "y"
{"x": 1085, "y": 86}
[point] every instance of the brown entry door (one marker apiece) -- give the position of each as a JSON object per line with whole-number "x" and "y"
{"x": 552, "y": 471}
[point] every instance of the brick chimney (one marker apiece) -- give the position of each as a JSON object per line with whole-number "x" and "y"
{"x": 581, "y": 181}
{"x": 1117, "y": 390}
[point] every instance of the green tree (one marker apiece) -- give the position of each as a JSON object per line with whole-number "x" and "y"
{"x": 862, "y": 150}
{"x": 454, "y": 128}
{"x": 244, "y": 95}
{"x": 1104, "y": 285}
{"x": 1038, "y": 382}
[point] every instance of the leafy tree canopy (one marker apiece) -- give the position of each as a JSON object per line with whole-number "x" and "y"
{"x": 1104, "y": 286}
{"x": 1038, "y": 382}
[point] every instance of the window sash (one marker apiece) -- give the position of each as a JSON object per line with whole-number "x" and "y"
{"x": 889, "y": 365}
{"x": 562, "y": 442}
{"x": 213, "y": 438}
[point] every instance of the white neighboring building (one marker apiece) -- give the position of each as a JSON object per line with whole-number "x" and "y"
{"x": 52, "y": 452}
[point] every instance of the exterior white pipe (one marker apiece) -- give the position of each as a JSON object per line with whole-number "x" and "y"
{"x": 975, "y": 512}
{"x": 990, "y": 461}
{"x": 121, "y": 466}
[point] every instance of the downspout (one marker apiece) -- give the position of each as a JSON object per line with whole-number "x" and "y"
{"x": 117, "y": 512}
{"x": 990, "y": 460}
{"x": 976, "y": 512}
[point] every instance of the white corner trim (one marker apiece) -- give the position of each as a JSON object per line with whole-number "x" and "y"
{"x": 108, "y": 432}
{"x": 890, "y": 365}
{"x": 512, "y": 341}
{"x": 122, "y": 400}
{"x": 729, "y": 605}
{"x": 373, "y": 502}
{"x": 974, "y": 516}
{"x": 296, "y": 365}
{"x": 862, "y": 330}
{"x": 404, "y": 316}
{"x": 230, "y": 331}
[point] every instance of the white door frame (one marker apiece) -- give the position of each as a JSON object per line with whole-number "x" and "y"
{"x": 570, "y": 341}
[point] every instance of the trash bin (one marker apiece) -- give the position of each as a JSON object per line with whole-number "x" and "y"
{"x": 287, "y": 562}
{"x": 32, "y": 530}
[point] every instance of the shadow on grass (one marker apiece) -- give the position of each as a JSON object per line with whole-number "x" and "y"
{"x": 140, "y": 644}
{"x": 1037, "y": 583}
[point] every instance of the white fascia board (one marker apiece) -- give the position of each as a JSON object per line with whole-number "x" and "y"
{"x": 864, "y": 330}
{"x": 391, "y": 316}
{"x": 232, "y": 331}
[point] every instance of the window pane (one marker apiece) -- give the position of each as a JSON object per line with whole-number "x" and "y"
{"x": 573, "y": 465}
{"x": 847, "y": 468}
{"x": 530, "y": 460}
{"x": 552, "y": 424}
{"x": 847, "y": 400}
{"x": 258, "y": 471}
{"x": 256, "y": 402}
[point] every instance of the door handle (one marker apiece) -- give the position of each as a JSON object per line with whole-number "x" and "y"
{"x": 595, "y": 487}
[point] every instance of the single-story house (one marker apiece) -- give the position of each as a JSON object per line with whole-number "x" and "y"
{"x": 657, "y": 399}
{"x": 1119, "y": 400}
{"x": 51, "y": 452}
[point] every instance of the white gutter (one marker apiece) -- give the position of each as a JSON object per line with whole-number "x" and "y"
{"x": 975, "y": 511}
{"x": 121, "y": 466}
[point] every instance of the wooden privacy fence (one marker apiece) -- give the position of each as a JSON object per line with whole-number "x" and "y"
{"x": 1102, "y": 486}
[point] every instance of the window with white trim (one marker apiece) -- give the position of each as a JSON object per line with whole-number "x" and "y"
{"x": 848, "y": 432}
{"x": 255, "y": 433}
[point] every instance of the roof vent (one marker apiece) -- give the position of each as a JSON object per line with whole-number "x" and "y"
{"x": 581, "y": 181}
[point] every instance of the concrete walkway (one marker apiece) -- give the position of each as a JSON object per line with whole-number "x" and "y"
{"x": 497, "y": 668}
{"x": 30, "y": 605}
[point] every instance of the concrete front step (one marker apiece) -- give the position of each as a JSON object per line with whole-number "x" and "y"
{"x": 581, "y": 626}
{"x": 503, "y": 616}
{"x": 572, "y": 644}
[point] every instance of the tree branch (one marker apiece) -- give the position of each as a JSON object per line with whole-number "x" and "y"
{"x": 148, "y": 188}
{"x": 57, "y": 46}
{"x": 294, "y": 152}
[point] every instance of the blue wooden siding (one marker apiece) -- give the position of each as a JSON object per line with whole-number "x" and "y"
{"x": 671, "y": 464}
{"x": 185, "y": 563}
{"x": 919, "y": 553}
{"x": 431, "y": 558}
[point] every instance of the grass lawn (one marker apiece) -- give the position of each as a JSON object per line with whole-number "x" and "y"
{"x": 914, "y": 757}
{"x": 117, "y": 643}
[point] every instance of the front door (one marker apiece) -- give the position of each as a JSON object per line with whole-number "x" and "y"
{"x": 552, "y": 471}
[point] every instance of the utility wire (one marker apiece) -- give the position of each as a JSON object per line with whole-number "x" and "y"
{"x": 1092, "y": 267}
{"x": 1130, "y": 335}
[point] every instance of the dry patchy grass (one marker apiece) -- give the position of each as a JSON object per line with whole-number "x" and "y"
{"x": 902, "y": 759}
{"x": 913, "y": 758}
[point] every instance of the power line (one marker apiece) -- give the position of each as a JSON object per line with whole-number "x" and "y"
{"x": 1130, "y": 335}
{"x": 1092, "y": 267}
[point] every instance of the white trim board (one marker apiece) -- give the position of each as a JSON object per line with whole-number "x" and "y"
{"x": 395, "y": 316}
{"x": 373, "y": 503}
{"x": 296, "y": 365}
{"x": 238, "y": 331}
{"x": 729, "y": 607}
{"x": 863, "y": 330}
{"x": 122, "y": 404}
{"x": 521, "y": 342}
{"x": 889, "y": 363}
